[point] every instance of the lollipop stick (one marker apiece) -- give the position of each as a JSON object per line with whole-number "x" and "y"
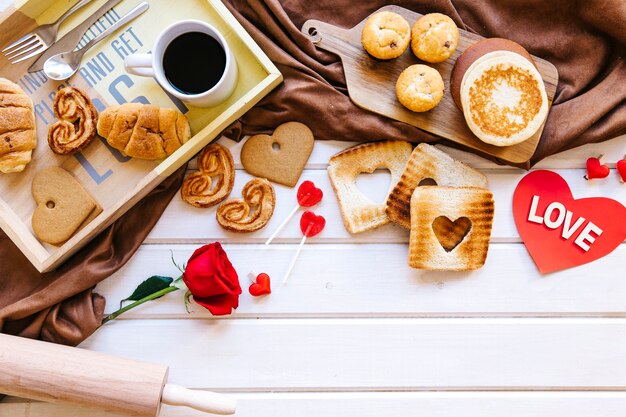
{"x": 280, "y": 226}
{"x": 295, "y": 258}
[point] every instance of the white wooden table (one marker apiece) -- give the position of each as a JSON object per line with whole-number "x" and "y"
{"x": 356, "y": 332}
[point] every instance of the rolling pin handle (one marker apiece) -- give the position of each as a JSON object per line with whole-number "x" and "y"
{"x": 209, "y": 402}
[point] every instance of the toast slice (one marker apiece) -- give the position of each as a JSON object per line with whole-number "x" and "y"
{"x": 450, "y": 228}
{"x": 359, "y": 212}
{"x": 428, "y": 162}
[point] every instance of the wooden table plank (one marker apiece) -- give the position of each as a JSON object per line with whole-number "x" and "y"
{"x": 183, "y": 223}
{"x": 367, "y": 404}
{"x": 377, "y": 354}
{"x": 375, "y": 281}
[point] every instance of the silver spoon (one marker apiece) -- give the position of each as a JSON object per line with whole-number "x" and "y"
{"x": 62, "y": 66}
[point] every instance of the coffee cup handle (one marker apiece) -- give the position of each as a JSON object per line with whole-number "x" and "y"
{"x": 139, "y": 64}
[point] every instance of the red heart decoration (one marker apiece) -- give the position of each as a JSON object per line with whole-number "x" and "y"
{"x": 621, "y": 169}
{"x": 308, "y": 194}
{"x": 548, "y": 219}
{"x": 595, "y": 169}
{"x": 261, "y": 286}
{"x": 310, "y": 224}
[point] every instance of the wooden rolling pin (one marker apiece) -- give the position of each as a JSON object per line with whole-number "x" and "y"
{"x": 61, "y": 374}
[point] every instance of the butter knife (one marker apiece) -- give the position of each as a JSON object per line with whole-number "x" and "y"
{"x": 71, "y": 39}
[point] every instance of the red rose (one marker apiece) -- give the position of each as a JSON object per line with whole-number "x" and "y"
{"x": 212, "y": 280}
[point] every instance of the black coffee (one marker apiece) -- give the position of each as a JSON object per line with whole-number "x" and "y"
{"x": 194, "y": 62}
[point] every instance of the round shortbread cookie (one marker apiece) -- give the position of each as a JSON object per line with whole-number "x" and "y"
{"x": 434, "y": 37}
{"x": 386, "y": 35}
{"x": 419, "y": 88}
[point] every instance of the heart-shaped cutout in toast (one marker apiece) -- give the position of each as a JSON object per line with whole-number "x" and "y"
{"x": 63, "y": 205}
{"x": 450, "y": 233}
{"x": 280, "y": 157}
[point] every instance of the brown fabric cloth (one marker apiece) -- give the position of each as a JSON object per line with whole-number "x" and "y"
{"x": 60, "y": 306}
{"x": 584, "y": 39}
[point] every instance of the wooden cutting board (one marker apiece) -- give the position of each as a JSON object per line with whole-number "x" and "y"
{"x": 371, "y": 85}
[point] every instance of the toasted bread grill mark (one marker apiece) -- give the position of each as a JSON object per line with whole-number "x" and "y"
{"x": 358, "y": 212}
{"x": 503, "y": 120}
{"x": 427, "y": 162}
{"x": 450, "y": 227}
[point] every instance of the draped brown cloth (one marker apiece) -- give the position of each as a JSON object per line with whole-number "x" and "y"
{"x": 60, "y": 306}
{"x": 584, "y": 39}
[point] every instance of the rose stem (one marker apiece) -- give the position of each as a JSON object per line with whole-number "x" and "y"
{"x": 283, "y": 224}
{"x": 295, "y": 258}
{"x": 152, "y": 296}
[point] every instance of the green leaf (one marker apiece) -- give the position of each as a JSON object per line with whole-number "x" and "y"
{"x": 150, "y": 286}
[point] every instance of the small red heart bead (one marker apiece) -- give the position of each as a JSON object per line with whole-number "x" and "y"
{"x": 311, "y": 224}
{"x": 621, "y": 169}
{"x": 595, "y": 169}
{"x": 262, "y": 286}
{"x": 308, "y": 194}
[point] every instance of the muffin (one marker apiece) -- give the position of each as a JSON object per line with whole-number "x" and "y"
{"x": 386, "y": 35}
{"x": 434, "y": 37}
{"x": 419, "y": 88}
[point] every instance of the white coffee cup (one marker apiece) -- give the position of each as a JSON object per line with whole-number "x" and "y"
{"x": 151, "y": 65}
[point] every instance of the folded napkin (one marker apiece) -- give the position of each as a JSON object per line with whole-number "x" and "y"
{"x": 59, "y": 306}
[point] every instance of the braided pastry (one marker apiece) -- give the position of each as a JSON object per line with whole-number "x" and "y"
{"x": 77, "y": 121}
{"x": 17, "y": 127}
{"x": 234, "y": 214}
{"x": 198, "y": 188}
{"x": 143, "y": 130}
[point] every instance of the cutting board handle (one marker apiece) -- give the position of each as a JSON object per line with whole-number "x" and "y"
{"x": 209, "y": 402}
{"x": 327, "y": 36}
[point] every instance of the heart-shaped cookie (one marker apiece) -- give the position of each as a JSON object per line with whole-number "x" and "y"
{"x": 280, "y": 157}
{"x": 63, "y": 205}
{"x": 450, "y": 233}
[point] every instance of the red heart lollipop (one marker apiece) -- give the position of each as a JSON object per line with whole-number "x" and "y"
{"x": 595, "y": 169}
{"x": 311, "y": 224}
{"x": 261, "y": 286}
{"x": 308, "y": 194}
{"x": 621, "y": 169}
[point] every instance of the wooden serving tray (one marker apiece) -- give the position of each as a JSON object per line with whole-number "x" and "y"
{"x": 114, "y": 180}
{"x": 371, "y": 85}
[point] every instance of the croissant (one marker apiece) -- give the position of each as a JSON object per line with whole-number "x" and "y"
{"x": 144, "y": 131}
{"x": 77, "y": 121}
{"x": 17, "y": 127}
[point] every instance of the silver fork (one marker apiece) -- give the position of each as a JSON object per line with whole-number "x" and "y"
{"x": 40, "y": 39}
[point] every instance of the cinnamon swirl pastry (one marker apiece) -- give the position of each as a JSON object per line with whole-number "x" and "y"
{"x": 199, "y": 188}
{"x": 77, "y": 121}
{"x": 253, "y": 212}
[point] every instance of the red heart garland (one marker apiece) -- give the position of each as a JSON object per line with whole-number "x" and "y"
{"x": 262, "y": 286}
{"x": 621, "y": 169}
{"x": 595, "y": 169}
{"x": 308, "y": 194}
{"x": 311, "y": 224}
{"x": 574, "y": 232}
